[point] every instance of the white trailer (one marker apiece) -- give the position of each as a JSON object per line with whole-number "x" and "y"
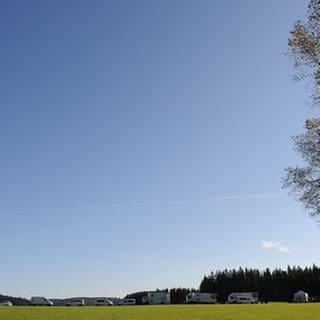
{"x": 243, "y": 297}
{"x": 201, "y": 297}
{"x": 156, "y": 297}
{"x": 40, "y": 301}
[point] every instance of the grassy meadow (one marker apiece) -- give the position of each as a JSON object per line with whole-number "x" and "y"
{"x": 271, "y": 311}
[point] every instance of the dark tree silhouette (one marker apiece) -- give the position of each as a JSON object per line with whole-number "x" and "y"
{"x": 276, "y": 285}
{"x": 304, "y": 47}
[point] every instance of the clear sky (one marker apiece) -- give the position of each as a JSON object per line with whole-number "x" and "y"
{"x": 143, "y": 143}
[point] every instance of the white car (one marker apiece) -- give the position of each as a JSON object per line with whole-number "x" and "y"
{"x": 75, "y": 302}
{"x": 104, "y": 302}
{"x": 41, "y": 301}
{"x": 6, "y": 303}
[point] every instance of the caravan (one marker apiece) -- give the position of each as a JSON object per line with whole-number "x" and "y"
{"x": 243, "y": 297}
{"x": 156, "y": 297}
{"x": 201, "y": 297}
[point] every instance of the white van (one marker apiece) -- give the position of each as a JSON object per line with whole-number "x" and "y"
{"x": 6, "y": 304}
{"x": 40, "y": 301}
{"x": 75, "y": 302}
{"x": 103, "y": 302}
{"x": 127, "y": 302}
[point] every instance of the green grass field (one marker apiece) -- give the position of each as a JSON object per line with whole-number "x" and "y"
{"x": 271, "y": 311}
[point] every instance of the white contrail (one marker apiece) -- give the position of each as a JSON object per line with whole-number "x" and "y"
{"x": 262, "y": 196}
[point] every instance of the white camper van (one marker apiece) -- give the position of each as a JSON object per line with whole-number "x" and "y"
{"x": 243, "y": 297}
{"x": 40, "y": 301}
{"x": 201, "y": 297}
{"x": 75, "y": 302}
{"x": 156, "y": 297}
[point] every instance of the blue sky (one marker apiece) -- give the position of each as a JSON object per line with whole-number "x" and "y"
{"x": 143, "y": 143}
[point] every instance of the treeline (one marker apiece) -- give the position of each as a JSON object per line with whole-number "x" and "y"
{"x": 276, "y": 285}
{"x": 14, "y": 300}
{"x": 178, "y": 295}
{"x": 272, "y": 285}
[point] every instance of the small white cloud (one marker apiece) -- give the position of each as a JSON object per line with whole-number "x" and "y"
{"x": 270, "y": 244}
{"x": 275, "y": 245}
{"x": 283, "y": 249}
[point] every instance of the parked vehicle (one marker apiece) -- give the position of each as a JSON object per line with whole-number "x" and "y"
{"x": 40, "y": 301}
{"x": 156, "y": 297}
{"x": 6, "y": 304}
{"x": 201, "y": 297}
{"x": 103, "y": 302}
{"x": 243, "y": 297}
{"x": 75, "y": 302}
{"x": 127, "y": 302}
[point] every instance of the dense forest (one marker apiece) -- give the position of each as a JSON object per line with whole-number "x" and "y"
{"x": 276, "y": 285}
{"x": 271, "y": 285}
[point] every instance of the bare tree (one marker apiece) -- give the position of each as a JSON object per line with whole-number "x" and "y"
{"x": 304, "y": 47}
